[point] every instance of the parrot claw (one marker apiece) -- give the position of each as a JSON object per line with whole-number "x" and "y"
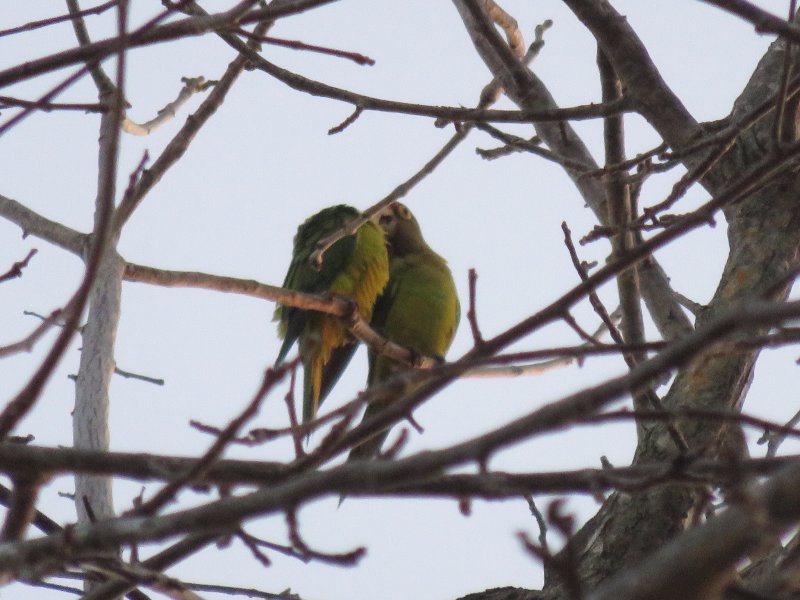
{"x": 351, "y": 312}
{"x": 422, "y": 361}
{"x": 417, "y": 360}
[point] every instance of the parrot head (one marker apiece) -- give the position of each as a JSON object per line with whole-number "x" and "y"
{"x": 401, "y": 229}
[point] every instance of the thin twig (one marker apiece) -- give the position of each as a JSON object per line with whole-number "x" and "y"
{"x": 45, "y": 99}
{"x": 396, "y": 194}
{"x": 342, "y": 559}
{"x": 91, "y": 64}
{"x": 347, "y": 122}
{"x": 26, "y": 344}
{"x": 582, "y": 333}
{"x": 21, "y": 508}
{"x": 178, "y": 145}
{"x": 647, "y": 393}
{"x": 254, "y": 543}
{"x": 523, "y": 144}
{"x": 101, "y": 79}
{"x": 145, "y": 378}
{"x": 630, "y": 163}
{"x": 357, "y": 58}
{"x": 472, "y": 314}
{"x": 297, "y": 437}
{"x": 490, "y": 94}
{"x": 775, "y": 438}
{"x": 192, "y": 86}
{"x": 271, "y": 378}
{"x": 663, "y": 414}
{"x": 539, "y": 520}
{"x": 54, "y": 20}
{"x": 16, "y": 269}
{"x": 7, "y": 101}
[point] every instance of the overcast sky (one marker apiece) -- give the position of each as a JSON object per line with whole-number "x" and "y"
{"x": 261, "y": 166}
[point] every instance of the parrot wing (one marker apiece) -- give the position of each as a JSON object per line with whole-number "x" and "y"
{"x": 356, "y": 266}
{"x": 419, "y": 309}
{"x": 302, "y": 276}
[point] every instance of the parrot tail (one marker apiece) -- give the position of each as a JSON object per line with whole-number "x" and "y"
{"x": 369, "y": 448}
{"x": 366, "y": 450}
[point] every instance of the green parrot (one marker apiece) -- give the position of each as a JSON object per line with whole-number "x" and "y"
{"x": 419, "y": 308}
{"x": 356, "y": 266}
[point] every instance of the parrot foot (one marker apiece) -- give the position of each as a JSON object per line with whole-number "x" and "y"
{"x": 421, "y": 361}
{"x": 417, "y": 360}
{"x": 351, "y": 314}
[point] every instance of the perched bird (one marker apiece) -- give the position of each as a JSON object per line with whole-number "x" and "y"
{"x": 356, "y": 266}
{"x": 419, "y": 308}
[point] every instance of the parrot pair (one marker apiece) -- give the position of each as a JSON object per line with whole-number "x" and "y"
{"x": 398, "y": 283}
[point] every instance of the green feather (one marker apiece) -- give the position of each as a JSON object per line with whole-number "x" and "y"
{"x": 419, "y": 308}
{"x": 355, "y": 266}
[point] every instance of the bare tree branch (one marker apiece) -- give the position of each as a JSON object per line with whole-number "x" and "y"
{"x": 32, "y": 223}
{"x": 528, "y": 92}
{"x": 215, "y": 517}
{"x": 632, "y": 64}
{"x": 98, "y": 51}
{"x": 763, "y": 21}
{"x": 684, "y": 568}
{"x": 96, "y": 10}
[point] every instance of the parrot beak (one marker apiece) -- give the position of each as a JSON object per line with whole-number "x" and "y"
{"x": 387, "y": 214}
{"x": 384, "y": 218}
{"x": 376, "y": 218}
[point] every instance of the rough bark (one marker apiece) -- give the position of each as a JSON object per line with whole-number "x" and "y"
{"x": 90, "y": 418}
{"x": 764, "y": 238}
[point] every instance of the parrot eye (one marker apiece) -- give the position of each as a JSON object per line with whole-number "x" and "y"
{"x": 403, "y": 212}
{"x": 386, "y": 220}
